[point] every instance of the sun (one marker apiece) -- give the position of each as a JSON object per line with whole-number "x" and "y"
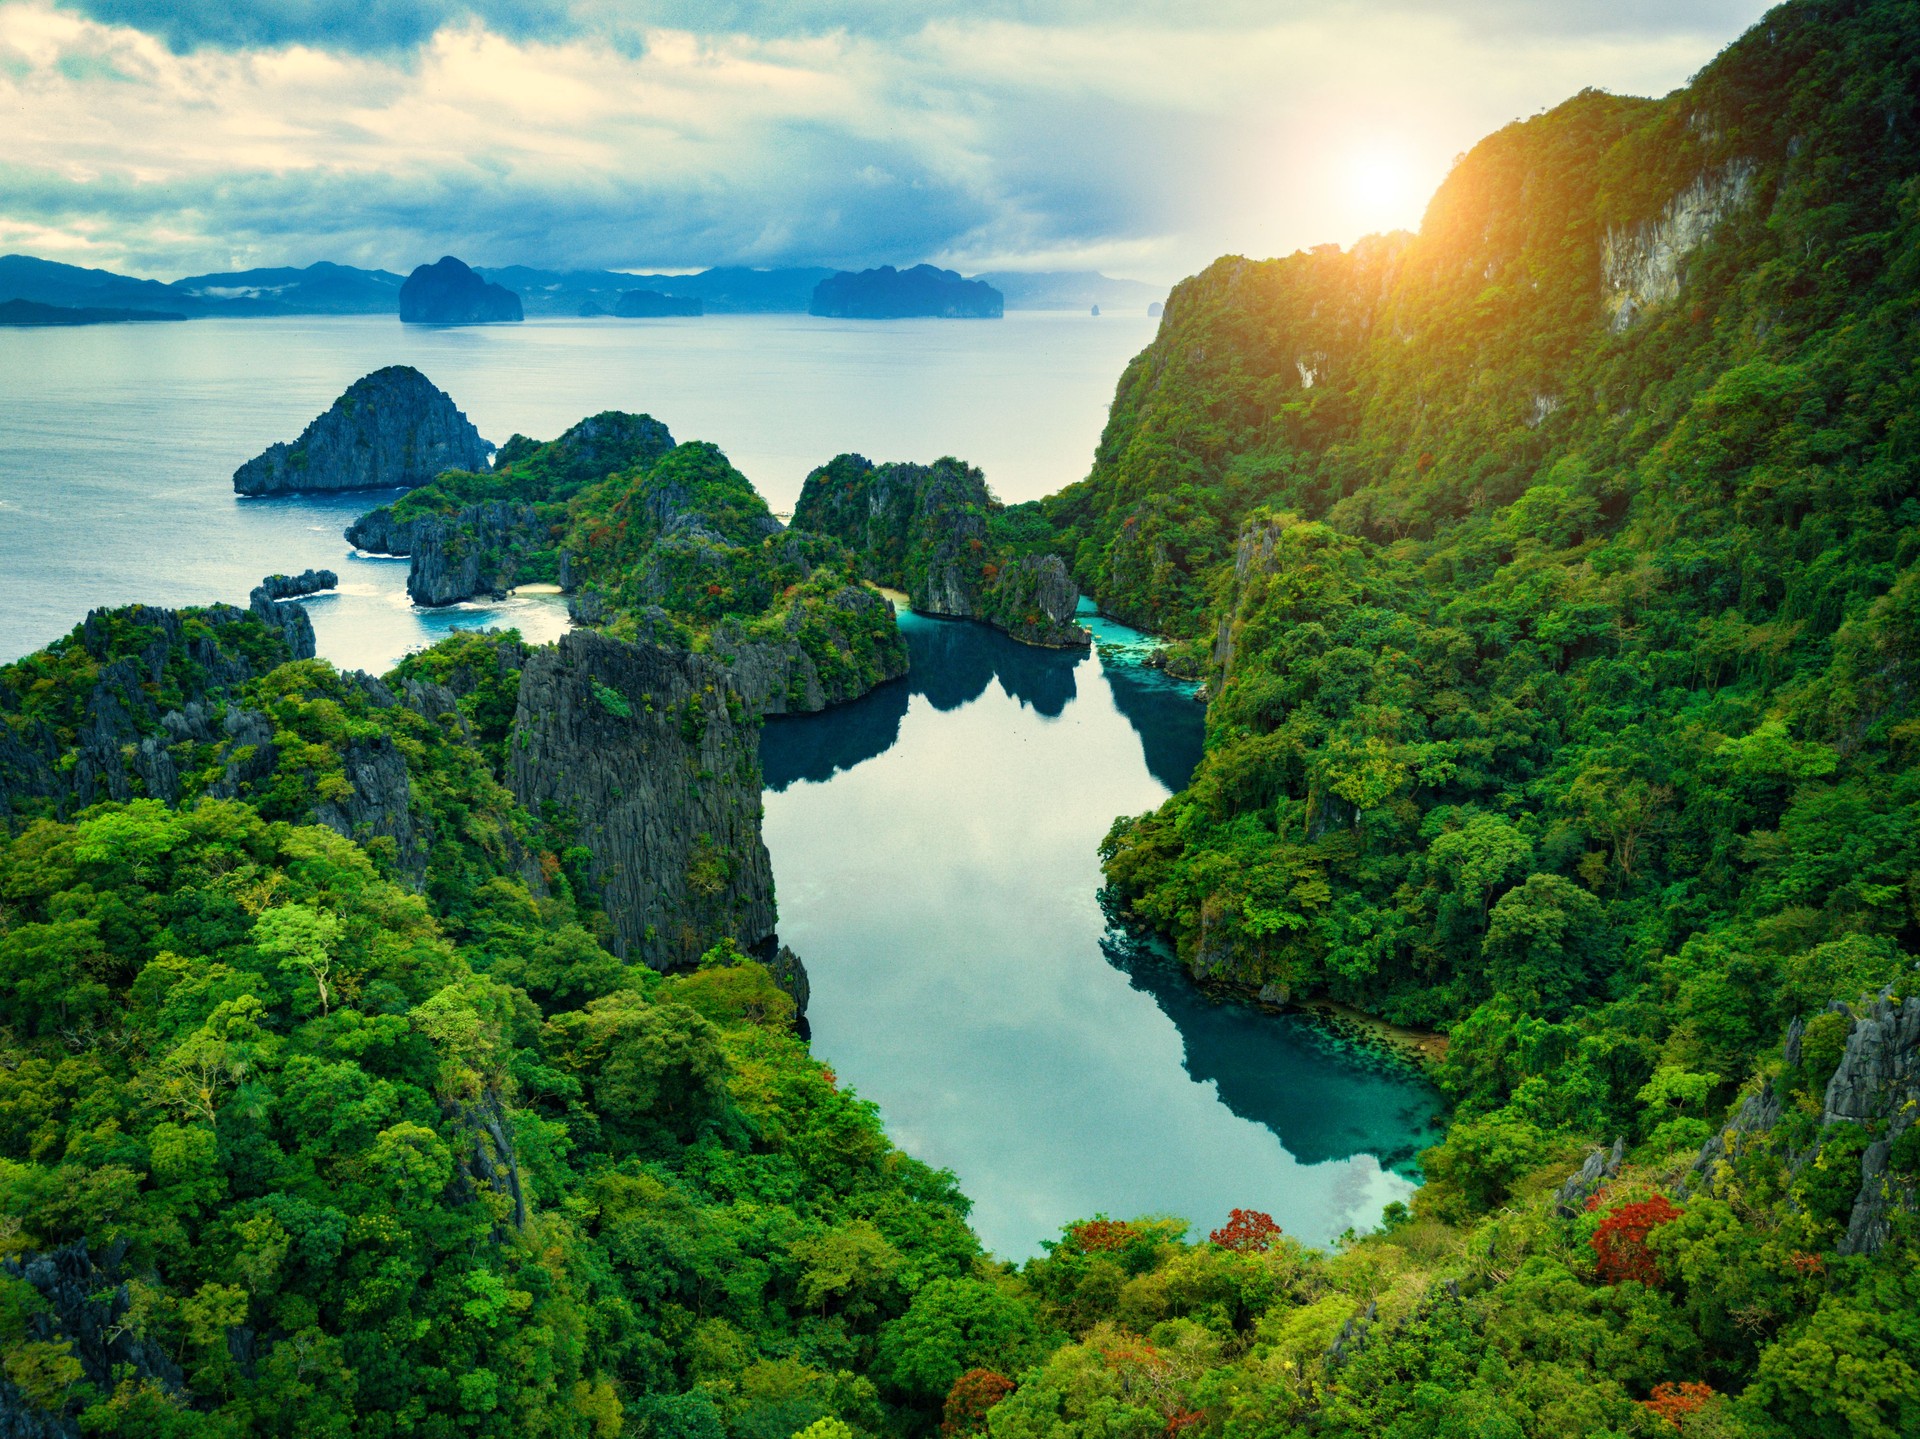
{"x": 1384, "y": 188}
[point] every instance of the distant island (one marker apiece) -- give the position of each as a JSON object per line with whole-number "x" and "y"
{"x": 890, "y": 294}
{"x": 448, "y": 292}
{"x": 33, "y": 313}
{"x": 652, "y": 305}
{"x": 325, "y": 288}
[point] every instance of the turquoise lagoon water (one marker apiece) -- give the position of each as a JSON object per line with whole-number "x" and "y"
{"x": 934, "y": 848}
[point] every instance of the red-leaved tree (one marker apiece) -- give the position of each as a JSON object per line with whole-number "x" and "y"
{"x": 972, "y": 1395}
{"x": 1247, "y": 1231}
{"x": 1673, "y": 1402}
{"x": 1620, "y": 1248}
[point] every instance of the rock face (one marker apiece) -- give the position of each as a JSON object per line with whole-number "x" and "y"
{"x": 475, "y": 551}
{"x": 925, "y": 529}
{"x": 162, "y": 675}
{"x": 378, "y": 533}
{"x": 777, "y": 676}
{"x": 1875, "y": 1087}
{"x": 890, "y": 294}
{"x": 652, "y": 753}
{"x": 652, "y": 305}
{"x": 1640, "y": 267}
{"x": 392, "y": 429}
{"x": 447, "y": 292}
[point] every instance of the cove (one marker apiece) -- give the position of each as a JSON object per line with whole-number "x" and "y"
{"x": 935, "y": 851}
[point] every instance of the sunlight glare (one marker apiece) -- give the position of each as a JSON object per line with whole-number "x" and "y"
{"x": 1383, "y": 189}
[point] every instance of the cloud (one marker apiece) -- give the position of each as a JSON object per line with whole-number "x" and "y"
{"x": 1128, "y": 135}
{"x": 382, "y": 26}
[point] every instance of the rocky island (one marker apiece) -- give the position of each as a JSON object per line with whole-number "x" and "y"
{"x": 448, "y": 292}
{"x": 937, "y": 532}
{"x": 890, "y": 294}
{"x": 392, "y": 429}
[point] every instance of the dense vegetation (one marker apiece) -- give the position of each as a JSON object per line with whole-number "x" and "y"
{"x": 1560, "y": 609}
{"x": 656, "y": 540}
{"x": 937, "y": 532}
{"x": 1560, "y": 613}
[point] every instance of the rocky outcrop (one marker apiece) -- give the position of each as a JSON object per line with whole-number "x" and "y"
{"x": 160, "y": 675}
{"x": 1641, "y": 267}
{"x": 378, "y": 533}
{"x": 448, "y": 292}
{"x": 1035, "y": 601}
{"x": 473, "y": 552}
{"x": 84, "y": 1305}
{"x": 392, "y": 429}
{"x": 288, "y": 618}
{"x": 1875, "y": 1087}
{"x": 926, "y": 529}
{"x": 890, "y": 294}
{"x": 293, "y": 587}
{"x": 776, "y": 674}
{"x": 652, "y": 754}
{"x": 1600, "y": 1166}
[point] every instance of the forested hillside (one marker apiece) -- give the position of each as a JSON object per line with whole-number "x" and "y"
{"x": 1553, "y": 576}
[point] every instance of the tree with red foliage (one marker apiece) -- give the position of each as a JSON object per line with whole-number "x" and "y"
{"x": 1247, "y": 1231}
{"x": 1620, "y": 1248}
{"x": 1185, "y": 1419}
{"x": 972, "y": 1395}
{"x": 1673, "y": 1402}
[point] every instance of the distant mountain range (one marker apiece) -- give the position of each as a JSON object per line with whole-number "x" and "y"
{"x": 329, "y": 289}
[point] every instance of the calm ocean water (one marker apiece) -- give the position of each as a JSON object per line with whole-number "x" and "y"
{"x": 118, "y": 442}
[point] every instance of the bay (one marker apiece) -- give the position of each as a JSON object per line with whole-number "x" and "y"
{"x": 118, "y": 442}
{"x": 935, "y": 852}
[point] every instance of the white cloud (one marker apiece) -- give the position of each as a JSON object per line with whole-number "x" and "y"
{"x": 1147, "y": 142}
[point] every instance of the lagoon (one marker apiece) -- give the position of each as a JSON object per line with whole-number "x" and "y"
{"x": 935, "y": 852}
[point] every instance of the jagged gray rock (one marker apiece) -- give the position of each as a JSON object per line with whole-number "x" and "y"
{"x": 923, "y": 529}
{"x": 392, "y": 429}
{"x": 474, "y": 552}
{"x": 1600, "y": 1166}
{"x": 123, "y": 731}
{"x": 1877, "y": 1084}
{"x": 378, "y": 533}
{"x": 293, "y": 587}
{"x": 654, "y": 754}
{"x": 289, "y": 618}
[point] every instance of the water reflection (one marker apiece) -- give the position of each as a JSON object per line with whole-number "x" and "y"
{"x": 934, "y": 845}
{"x": 951, "y": 663}
{"x": 1325, "y": 1096}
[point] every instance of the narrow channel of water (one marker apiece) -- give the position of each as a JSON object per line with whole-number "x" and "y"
{"x": 934, "y": 846}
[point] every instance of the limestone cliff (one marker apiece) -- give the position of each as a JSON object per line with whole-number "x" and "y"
{"x": 931, "y": 531}
{"x": 392, "y": 429}
{"x": 1874, "y": 1091}
{"x": 155, "y": 676}
{"x": 475, "y": 551}
{"x": 652, "y": 753}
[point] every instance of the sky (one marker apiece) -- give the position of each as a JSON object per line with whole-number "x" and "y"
{"x": 1138, "y": 137}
